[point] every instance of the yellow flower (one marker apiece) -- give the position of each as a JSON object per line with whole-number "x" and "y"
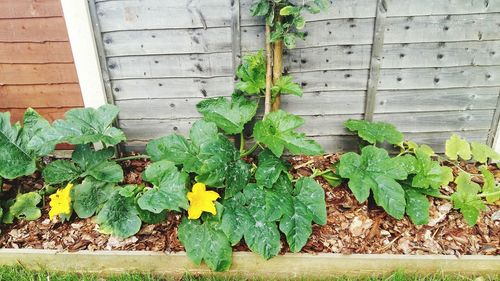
{"x": 60, "y": 202}
{"x": 201, "y": 200}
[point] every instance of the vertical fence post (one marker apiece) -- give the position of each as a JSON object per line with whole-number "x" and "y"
{"x": 494, "y": 133}
{"x": 376, "y": 59}
{"x": 85, "y": 53}
{"x": 236, "y": 34}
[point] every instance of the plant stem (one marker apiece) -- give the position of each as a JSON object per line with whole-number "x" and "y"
{"x": 442, "y": 196}
{"x": 277, "y": 68}
{"x": 442, "y": 159}
{"x": 242, "y": 143}
{"x": 133, "y": 157}
{"x": 269, "y": 73}
{"x": 482, "y": 195}
{"x": 248, "y": 152}
{"x": 318, "y": 173}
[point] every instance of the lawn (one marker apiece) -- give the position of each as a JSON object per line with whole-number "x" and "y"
{"x": 18, "y": 273}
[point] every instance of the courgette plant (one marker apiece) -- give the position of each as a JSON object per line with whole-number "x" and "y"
{"x": 401, "y": 184}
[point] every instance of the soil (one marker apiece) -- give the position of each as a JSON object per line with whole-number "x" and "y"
{"x": 352, "y": 227}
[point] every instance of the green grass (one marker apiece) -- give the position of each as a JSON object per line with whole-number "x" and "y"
{"x": 18, "y": 273}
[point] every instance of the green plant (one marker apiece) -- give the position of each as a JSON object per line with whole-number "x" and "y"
{"x": 401, "y": 184}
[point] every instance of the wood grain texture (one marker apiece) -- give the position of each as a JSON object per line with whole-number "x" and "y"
{"x": 48, "y": 52}
{"x": 33, "y": 30}
{"x": 12, "y": 9}
{"x": 250, "y": 265}
{"x": 156, "y": 14}
{"x": 50, "y": 114}
{"x": 40, "y": 96}
{"x": 422, "y": 29}
{"x": 30, "y": 74}
{"x": 194, "y": 65}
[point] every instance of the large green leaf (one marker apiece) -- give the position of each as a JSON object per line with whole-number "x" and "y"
{"x": 375, "y": 170}
{"x": 85, "y": 162}
{"x": 230, "y": 116}
{"x": 466, "y": 200}
{"x": 176, "y": 149}
{"x": 21, "y": 146}
{"x": 375, "y": 132}
{"x": 252, "y": 74}
{"x": 89, "y": 125}
{"x": 203, "y": 132}
{"x": 217, "y": 157}
{"x": 277, "y": 132}
{"x": 417, "y": 206}
{"x": 24, "y": 207}
{"x": 297, "y": 227}
{"x": 237, "y": 178}
{"x": 260, "y": 8}
{"x": 456, "y": 146}
{"x": 119, "y": 216}
{"x": 89, "y": 196}
{"x": 285, "y": 85}
{"x": 428, "y": 173}
{"x": 235, "y": 218}
{"x": 269, "y": 169}
{"x": 312, "y": 195}
{"x": 489, "y": 185}
{"x": 169, "y": 188}
{"x": 481, "y": 152}
{"x": 206, "y": 242}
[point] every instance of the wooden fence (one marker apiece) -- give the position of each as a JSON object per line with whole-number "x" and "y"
{"x": 36, "y": 64}
{"x": 431, "y": 67}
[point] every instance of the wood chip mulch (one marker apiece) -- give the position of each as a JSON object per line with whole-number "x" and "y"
{"x": 351, "y": 228}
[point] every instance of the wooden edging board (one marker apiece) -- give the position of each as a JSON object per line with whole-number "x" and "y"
{"x": 250, "y": 265}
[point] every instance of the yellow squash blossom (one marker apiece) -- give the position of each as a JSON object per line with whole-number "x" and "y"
{"x": 60, "y": 202}
{"x": 201, "y": 200}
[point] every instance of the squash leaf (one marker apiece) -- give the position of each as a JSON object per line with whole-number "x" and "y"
{"x": 456, "y": 146}
{"x": 252, "y": 74}
{"x": 466, "y": 200}
{"x": 374, "y": 170}
{"x": 238, "y": 175}
{"x": 269, "y": 169}
{"x": 277, "y": 132}
{"x": 176, "y": 149}
{"x": 85, "y": 162}
{"x": 430, "y": 174}
{"x": 417, "y": 205}
{"x": 119, "y": 216}
{"x": 490, "y": 185}
{"x": 20, "y": 146}
{"x": 375, "y": 132}
{"x": 206, "y": 241}
{"x": 217, "y": 158}
{"x": 285, "y": 85}
{"x": 89, "y": 125}
{"x": 481, "y": 152}
{"x": 24, "y": 207}
{"x": 169, "y": 188}
{"x": 89, "y": 196}
{"x": 230, "y": 116}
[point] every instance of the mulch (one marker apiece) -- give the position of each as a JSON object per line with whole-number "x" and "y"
{"x": 352, "y": 227}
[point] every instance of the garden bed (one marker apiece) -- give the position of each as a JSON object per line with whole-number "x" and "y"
{"x": 352, "y": 228}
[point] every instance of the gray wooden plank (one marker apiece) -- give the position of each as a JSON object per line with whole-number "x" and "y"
{"x": 168, "y": 41}
{"x": 436, "y": 100}
{"x": 236, "y": 33}
{"x": 172, "y": 88}
{"x": 157, "y": 14}
{"x": 439, "y": 121}
{"x": 435, "y": 78}
{"x": 396, "y": 8}
{"x": 320, "y": 103}
{"x": 423, "y": 29}
{"x": 328, "y": 80}
{"x": 191, "y": 65}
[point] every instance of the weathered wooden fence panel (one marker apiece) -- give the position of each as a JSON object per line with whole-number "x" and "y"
{"x": 439, "y": 70}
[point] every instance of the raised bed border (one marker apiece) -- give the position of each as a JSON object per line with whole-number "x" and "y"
{"x": 247, "y": 264}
